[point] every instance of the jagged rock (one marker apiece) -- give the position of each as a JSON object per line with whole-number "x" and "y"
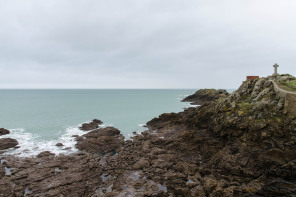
{"x": 91, "y": 126}
{"x": 51, "y": 176}
{"x": 237, "y": 145}
{"x": 101, "y": 141}
{"x": 205, "y": 95}
{"x": 59, "y": 144}
{"x": 4, "y": 131}
{"x": 6, "y": 143}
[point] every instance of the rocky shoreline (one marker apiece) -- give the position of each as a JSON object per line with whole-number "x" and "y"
{"x": 241, "y": 144}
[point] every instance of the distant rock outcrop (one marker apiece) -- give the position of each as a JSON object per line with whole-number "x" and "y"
{"x": 205, "y": 95}
{"x": 91, "y": 126}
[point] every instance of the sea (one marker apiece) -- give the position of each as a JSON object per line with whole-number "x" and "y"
{"x": 39, "y": 119}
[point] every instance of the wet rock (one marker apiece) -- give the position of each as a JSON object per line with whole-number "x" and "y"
{"x": 101, "y": 141}
{"x": 6, "y": 143}
{"x": 59, "y": 144}
{"x": 91, "y": 126}
{"x": 4, "y": 131}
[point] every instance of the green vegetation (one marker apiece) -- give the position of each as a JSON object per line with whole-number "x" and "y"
{"x": 277, "y": 119}
{"x": 248, "y": 98}
{"x": 292, "y": 83}
{"x": 285, "y": 86}
{"x": 246, "y": 107}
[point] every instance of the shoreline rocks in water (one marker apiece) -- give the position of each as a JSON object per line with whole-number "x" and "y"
{"x": 241, "y": 144}
{"x": 6, "y": 143}
{"x": 91, "y": 126}
{"x": 59, "y": 144}
{"x": 4, "y": 131}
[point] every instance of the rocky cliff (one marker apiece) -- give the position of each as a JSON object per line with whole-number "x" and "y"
{"x": 241, "y": 144}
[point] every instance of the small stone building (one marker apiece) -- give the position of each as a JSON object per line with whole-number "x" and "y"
{"x": 252, "y": 77}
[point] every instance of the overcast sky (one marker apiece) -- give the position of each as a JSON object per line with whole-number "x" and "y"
{"x": 144, "y": 43}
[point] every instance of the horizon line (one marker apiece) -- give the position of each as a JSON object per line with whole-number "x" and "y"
{"x": 112, "y": 88}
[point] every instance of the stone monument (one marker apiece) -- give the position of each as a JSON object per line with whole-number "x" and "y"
{"x": 275, "y": 69}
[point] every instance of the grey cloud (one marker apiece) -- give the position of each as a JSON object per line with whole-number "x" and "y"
{"x": 143, "y": 44}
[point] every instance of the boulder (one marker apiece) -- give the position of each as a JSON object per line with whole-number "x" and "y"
{"x": 4, "y": 131}
{"x": 6, "y": 143}
{"x": 91, "y": 126}
{"x": 59, "y": 144}
{"x": 45, "y": 154}
{"x": 100, "y": 141}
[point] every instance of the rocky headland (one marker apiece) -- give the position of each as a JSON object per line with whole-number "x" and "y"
{"x": 242, "y": 144}
{"x": 205, "y": 95}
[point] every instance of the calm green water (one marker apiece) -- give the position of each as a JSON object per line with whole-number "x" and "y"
{"x": 41, "y": 118}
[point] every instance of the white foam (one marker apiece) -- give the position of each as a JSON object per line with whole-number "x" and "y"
{"x": 194, "y": 105}
{"x": 31, "y": 145}
{"x": 190, "y": 105}
{"x": 184, "y": 95}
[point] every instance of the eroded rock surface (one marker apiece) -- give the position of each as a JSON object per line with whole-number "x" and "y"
{"x": 240, "y": 145}
{"x": 101, "y": 141}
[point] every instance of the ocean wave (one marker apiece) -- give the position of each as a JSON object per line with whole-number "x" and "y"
{"x": 32, "y": 144}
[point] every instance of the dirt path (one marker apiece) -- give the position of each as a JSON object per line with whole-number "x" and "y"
{"x": 282, "y": 90}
